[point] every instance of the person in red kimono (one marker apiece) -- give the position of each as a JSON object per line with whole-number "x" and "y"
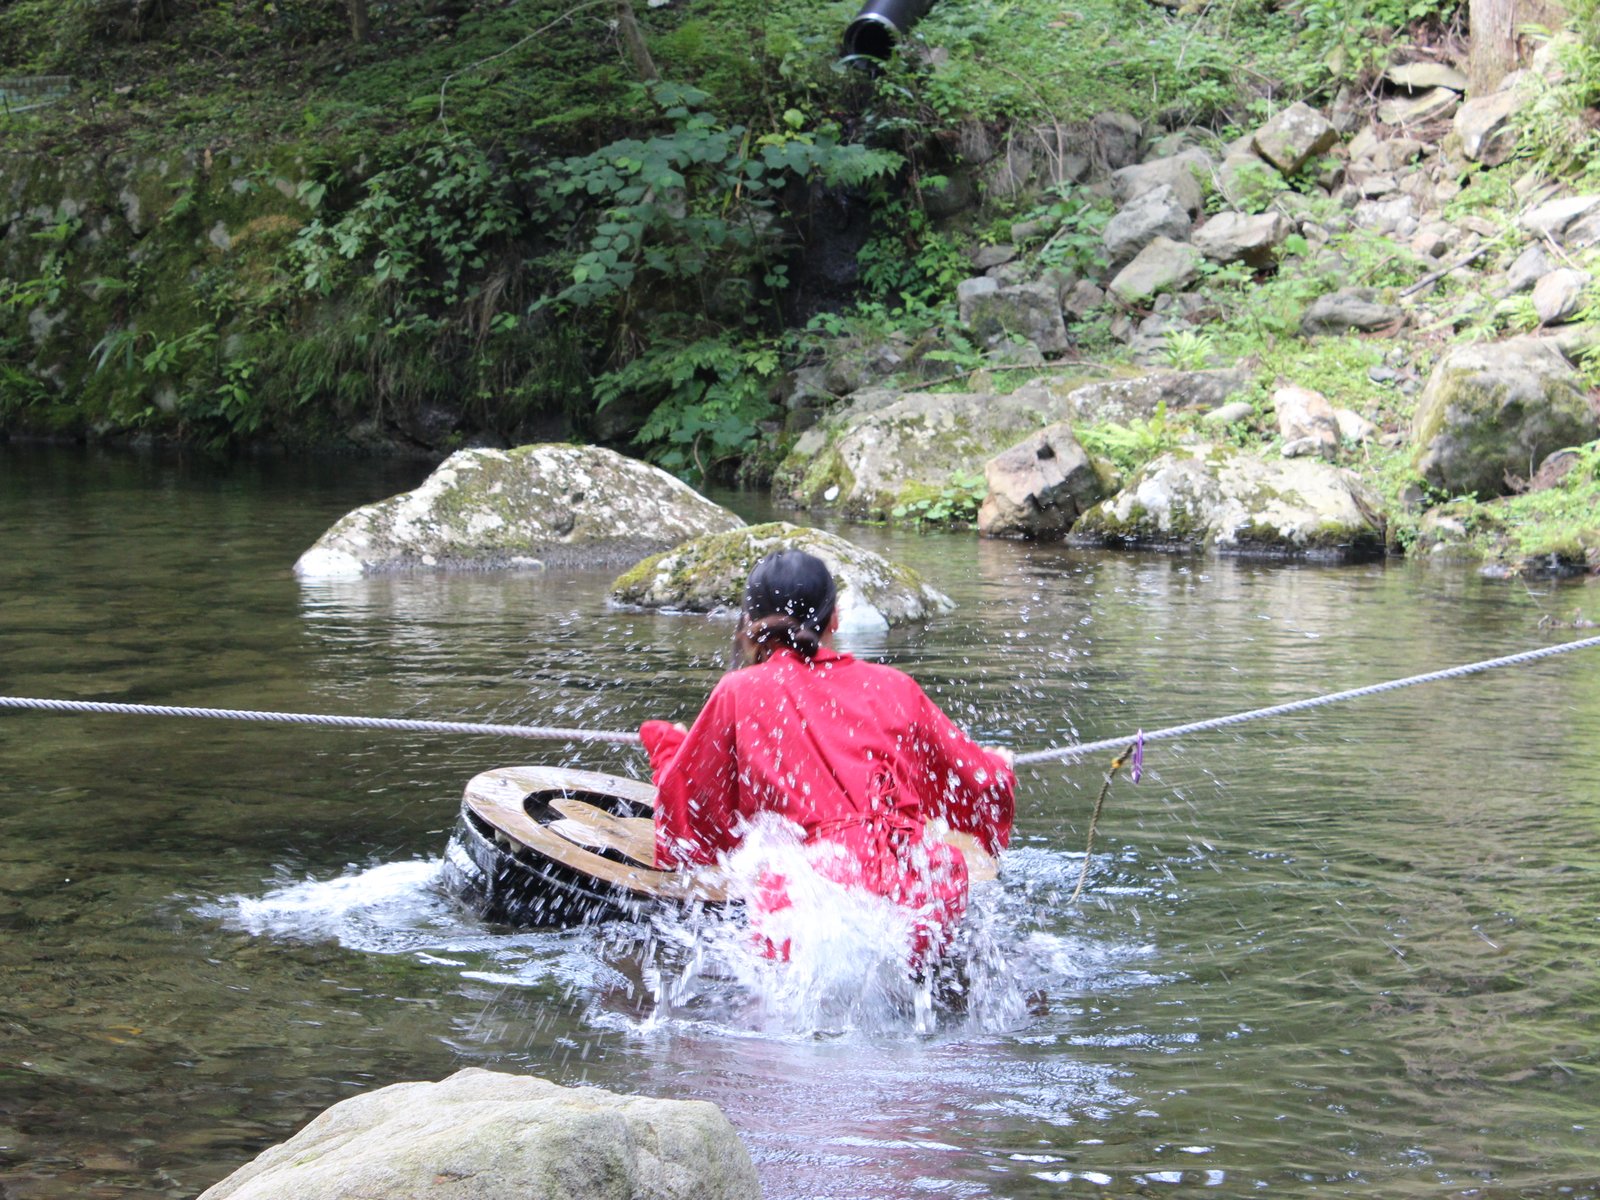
{"x": 853, "y": 753}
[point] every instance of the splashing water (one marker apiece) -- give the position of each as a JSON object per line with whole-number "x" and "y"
{"x": 850, "y": 965}
{"x": 847, "y": 973}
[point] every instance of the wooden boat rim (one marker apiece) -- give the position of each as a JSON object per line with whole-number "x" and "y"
{"x": 500, "y": 796}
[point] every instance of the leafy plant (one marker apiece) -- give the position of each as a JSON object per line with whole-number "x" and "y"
{"x": 910, "y": 262}
{"x": 1132, "y": 445}
{"x": 706, "y": 400}
{"x": 956, "y": 503}
{"x": 1188, "y": 349}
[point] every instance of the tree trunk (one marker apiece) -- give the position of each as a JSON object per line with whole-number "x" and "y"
{"x": 633, "y": 38}
{"x": 1493, "y": 27}
{"x": 360, "y": 23}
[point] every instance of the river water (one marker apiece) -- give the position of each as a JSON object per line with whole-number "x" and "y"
{"x": 1348, "y": 953}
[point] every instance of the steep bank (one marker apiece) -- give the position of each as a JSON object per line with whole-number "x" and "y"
{"x": 490, "y": 225}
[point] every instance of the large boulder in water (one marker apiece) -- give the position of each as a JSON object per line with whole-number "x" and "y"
{"x": 709, "y": 573}
{"x": 503, "y": 1137}
{"x": 1492, "y": 411}
{"x": 1229, "y": 502}
{"x": 887, "y": 448}
{"x": 546, "y": 505}
{"x": 1038, "y": 488}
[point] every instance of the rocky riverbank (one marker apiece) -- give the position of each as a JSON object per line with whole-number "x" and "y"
{"x": 1407, "y": 361}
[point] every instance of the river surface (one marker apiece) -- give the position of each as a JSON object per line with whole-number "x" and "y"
{"x": 1346, "y": 953}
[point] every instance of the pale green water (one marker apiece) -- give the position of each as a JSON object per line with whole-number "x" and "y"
{"x": 1347, "y": 954}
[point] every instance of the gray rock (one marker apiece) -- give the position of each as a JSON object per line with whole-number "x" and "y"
{"x": 1409, "y": 113}
{"x": 1294, "y": 137}
{"x": 866, "y": 461}
{"x": 1495, "y": 409}
{"x": 1083, "y": 298}
{"x": 708, "y": 574}
{"x": 503, "y": 1137}
{"x": 1554, "y": 217}
{"x": 1188, "y": 174}
{"x": 1582, "y": 233}
{"x": 1397, "y": 217}
{"x": 992, "y": 256}
{"x": 1162, "y": 266}
{"x": 1230, "y": 414}
{"x": 1234, "y": 237}
{"x": 1249, "y": 182}
{"x": 1306, "y": 416}
{"x": 1425, "y": 76}
{"x": 1156, "y": 213}
{"x": 1577, "y": 342}
{"x": 1484, "y": 126}
{"x": 1119, "y": 401}
{"x": 1347, "y": 309}
{"x": 1029, "y": 310}
{"x": 1354, "y": 429}
{"x": 1372, "y": 186}
{"x": 1228, "y": 502}
{"x": 1394, "y": 153}
{"x": 1434, "y": 239}
{"x": 1364, "y": 144}
{"x": 1039, "y": 487}
{"x": 1115, "y": 138}
{"x": 544, "y": 505}
{"x": 1559, "y": 295}
{"x": 972, "y": 292}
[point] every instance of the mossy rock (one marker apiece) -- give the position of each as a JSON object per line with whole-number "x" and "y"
{"x": 543, "y": 505}
{"x": 1228, "y": 502}
{"x": 1492, "y": 411}
{"x": 708, "y": 574}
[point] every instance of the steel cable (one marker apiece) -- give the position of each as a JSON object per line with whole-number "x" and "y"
{"x": 622, "y": 737}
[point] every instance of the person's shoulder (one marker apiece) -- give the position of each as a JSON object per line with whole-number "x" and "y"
{"x": 876, "y": 672}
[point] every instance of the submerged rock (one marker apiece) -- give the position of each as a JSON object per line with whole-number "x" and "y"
{"x": 545, "y": 505}
{"x": 503, "y": 1137}
{"x": 708, "y": 575}
{"x": 1228, "y": 502}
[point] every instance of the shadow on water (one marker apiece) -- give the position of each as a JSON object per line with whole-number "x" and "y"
{"x": 1344, "y": 954}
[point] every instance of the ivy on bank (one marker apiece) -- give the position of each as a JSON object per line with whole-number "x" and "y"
{"x": 657, "y": 246}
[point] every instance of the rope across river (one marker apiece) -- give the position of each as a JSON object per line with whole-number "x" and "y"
{"x": 1077, "y": 750}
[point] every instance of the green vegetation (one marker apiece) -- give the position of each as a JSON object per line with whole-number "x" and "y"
{"x": 492, "y": 219}
{"x": 517, "y": 221}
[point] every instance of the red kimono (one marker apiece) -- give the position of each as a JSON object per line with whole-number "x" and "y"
{"x": 856, "y": 755}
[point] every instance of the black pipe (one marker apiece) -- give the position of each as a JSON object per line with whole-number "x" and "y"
{"x": 879, "y": 27}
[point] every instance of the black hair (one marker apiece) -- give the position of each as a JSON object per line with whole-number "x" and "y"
{"x": 789, "y": 600}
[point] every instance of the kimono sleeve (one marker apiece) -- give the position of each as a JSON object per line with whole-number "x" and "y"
{"x": 697, "y": 784}
{"x": 979, "y": 787}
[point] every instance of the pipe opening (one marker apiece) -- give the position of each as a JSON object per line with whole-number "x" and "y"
{"x": 870, "y": 37}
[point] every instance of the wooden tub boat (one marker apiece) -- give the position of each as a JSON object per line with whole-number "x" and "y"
{"x": 553, "y": 846}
